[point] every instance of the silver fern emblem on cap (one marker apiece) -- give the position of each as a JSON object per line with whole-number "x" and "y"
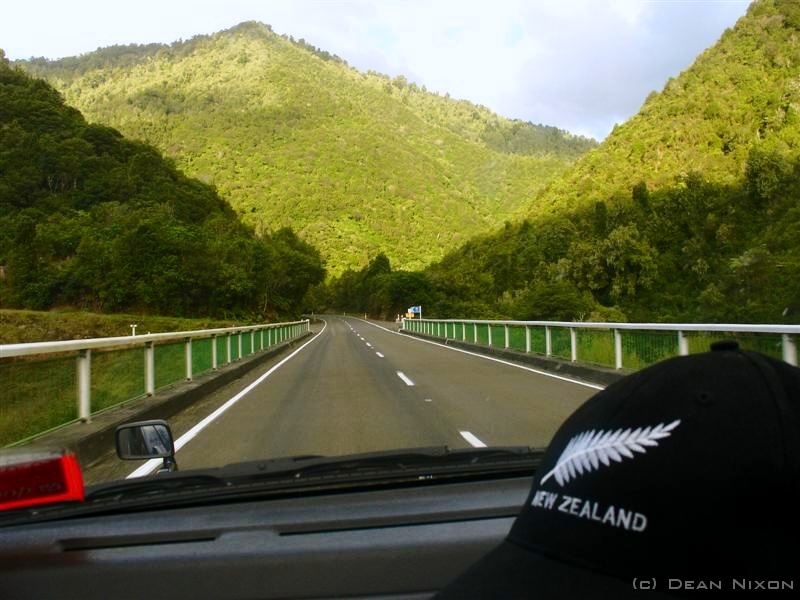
{"x": 586, "y": 451}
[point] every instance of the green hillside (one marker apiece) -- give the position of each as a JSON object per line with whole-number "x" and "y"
{"x": 91, "y": 220}
{"x": 687, "y": 212}
{"x": 291, "y": 136}
{"x": 740, "y": 94}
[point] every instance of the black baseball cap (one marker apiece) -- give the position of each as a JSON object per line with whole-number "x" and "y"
{"x": 675, "y": 480}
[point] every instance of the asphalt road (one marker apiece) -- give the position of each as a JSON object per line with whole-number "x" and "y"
{"x": 359, "y": 387}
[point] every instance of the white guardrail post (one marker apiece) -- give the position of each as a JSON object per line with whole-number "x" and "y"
{"x": 683, "y": 344}
{"x": 617, "y": 349}
{"x": 789, "y": 349}
{"x": 214, "y": 363}
{"x": 149, "y": 368}
{"x": 573, "y": 344}
{"x": 85, "y": 385}
{"x": 188, "y": 358}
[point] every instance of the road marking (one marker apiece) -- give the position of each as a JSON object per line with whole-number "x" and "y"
{"x": 474, "y": 441}
{"x": 428, "y": 400}
{"x": 402, "y": 376}
{"x": 369, "y": 345}
{"x": 379, "y": 355}
{"x": 493, "y": 359}
{"x": 152, "y": 464}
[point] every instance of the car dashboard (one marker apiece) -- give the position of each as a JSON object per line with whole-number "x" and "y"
{"x": 399, "y": 542}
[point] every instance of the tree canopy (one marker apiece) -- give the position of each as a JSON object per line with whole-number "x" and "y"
{"x": 93, "y": 220}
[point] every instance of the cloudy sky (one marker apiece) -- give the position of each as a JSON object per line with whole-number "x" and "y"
{"x": 580, "y": 65}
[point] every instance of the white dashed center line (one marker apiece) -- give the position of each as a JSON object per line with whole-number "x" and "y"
{"x": 405, "y": 379}
{"x": 379, "y": 355}
{"x": 474, "y": 441}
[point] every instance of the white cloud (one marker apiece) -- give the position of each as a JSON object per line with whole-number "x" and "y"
{"x": 629, "y": 10}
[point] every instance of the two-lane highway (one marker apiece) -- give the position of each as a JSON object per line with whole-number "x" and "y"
{"x": 359, "y": 387}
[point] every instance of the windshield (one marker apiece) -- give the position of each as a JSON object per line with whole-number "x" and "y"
{"x": 340, "y": 229}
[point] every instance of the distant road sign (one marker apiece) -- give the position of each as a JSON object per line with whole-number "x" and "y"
{"x": 415, "y": 309}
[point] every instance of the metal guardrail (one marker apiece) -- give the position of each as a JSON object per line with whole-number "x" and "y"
{"x": 37, "y": 376}
{"x": 617, "y": 345}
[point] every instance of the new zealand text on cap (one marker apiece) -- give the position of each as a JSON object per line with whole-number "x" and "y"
{"x": 680, "y": 478}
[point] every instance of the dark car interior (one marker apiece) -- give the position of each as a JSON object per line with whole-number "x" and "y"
{"x": 403, "y": 541}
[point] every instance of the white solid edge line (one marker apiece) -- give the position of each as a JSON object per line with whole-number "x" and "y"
{"x": 492, "y": 358}
{"x": 153, "y": 463}
{"x": 472, "y": 439}
{"x": 405, "y": 379}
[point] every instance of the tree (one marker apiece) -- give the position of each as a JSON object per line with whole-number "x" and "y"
{"x": 291, "y": 267}
{"x": 641, "y": 196}
{"x": 764, "y": 173}
{"x": 553, "y": 301}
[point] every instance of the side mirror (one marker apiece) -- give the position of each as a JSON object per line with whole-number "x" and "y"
{"x": 145, "y": 440}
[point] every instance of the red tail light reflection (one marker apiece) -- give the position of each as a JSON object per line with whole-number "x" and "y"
{"x": 33, "y": 479}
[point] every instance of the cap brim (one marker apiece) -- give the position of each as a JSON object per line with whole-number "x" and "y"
{"x": 511, "y": 572}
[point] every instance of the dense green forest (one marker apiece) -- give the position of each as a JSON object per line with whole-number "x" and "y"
{"x": 688, "y": 212}
{"x": 357, "y": 163}
{"x": 695, "y": 251}
{"x": 92, "y": 220}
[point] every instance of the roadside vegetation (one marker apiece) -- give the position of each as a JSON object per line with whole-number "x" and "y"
{"x": 20, "y": 326}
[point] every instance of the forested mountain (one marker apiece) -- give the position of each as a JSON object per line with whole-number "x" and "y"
{"x": 90, "y": 219}
{"x": 357, "y": 163}
{"x": 690, "y": 211}
{"x": 740, "y": 94}
{"x": 687, "y": 212}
